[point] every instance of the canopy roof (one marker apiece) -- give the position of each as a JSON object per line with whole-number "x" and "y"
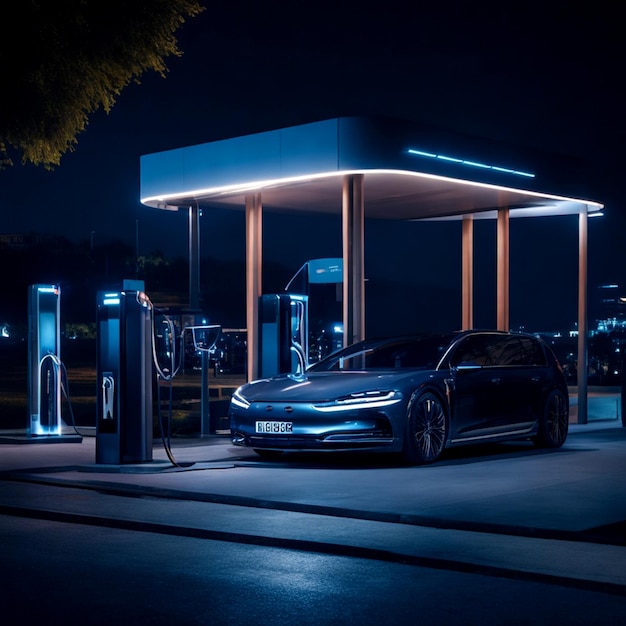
{"x": 402, "y": 171}
{"x": 411, "y": 172}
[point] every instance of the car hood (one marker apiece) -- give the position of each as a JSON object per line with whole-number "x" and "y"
{"x": 323, "y": 386}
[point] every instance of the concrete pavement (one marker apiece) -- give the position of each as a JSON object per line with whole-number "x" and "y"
{"x": 509, "y": 510}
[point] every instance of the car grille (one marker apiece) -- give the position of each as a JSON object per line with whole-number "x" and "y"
{"x": 329, "y": 442}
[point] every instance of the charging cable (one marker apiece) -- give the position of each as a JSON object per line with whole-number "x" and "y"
{"x": 167, "y": 376}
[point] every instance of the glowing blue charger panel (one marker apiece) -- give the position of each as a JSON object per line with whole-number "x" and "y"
{"x": 326, "y": 270}
{"x": 44, "y": 360}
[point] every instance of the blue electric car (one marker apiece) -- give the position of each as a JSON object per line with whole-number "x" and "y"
{"x": 413, "y": 395}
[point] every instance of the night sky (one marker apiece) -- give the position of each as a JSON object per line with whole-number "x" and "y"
{"x": 548, "y": 78}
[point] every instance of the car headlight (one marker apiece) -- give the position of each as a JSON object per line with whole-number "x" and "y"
{"x": 361, "y": 400}
{"x": 238, "y": 400}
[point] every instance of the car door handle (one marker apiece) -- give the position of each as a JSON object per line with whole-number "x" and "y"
{"x": 535, "y": 379}
{"x": 496, "y": 381}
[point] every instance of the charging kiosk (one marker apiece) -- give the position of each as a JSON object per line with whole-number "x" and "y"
{"x": 283, "y": 320}
{"x": 44, "y": 360}
{"x": 284, "y": 343}
{"x": 124, "y": 376}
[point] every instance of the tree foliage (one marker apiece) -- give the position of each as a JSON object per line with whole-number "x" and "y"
{"x": 61, "y": 61}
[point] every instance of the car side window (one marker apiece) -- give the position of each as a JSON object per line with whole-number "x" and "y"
{"x": 533, "y": 352}
{"x": 489, "y": 351}
{"x": 471, "y": 351}
{"x": 506, "y": 351}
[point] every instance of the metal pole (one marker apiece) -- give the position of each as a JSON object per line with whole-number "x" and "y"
{"x": 467, "y": 273}
{"x": 503, "y": 269}
{"x": 194, "y": 257}
{"x": 205, "y": 408}
{"x": 254, "y": 256}
{"x": 581, "y": 369}
{"x": 353, "y": 259}
{"x": 622, "y": 404}
{"x": 194, "y": 305}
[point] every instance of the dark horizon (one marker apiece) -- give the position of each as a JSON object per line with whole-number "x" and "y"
{"x": 468, "y": 69}
{"x": 407, "y": 303}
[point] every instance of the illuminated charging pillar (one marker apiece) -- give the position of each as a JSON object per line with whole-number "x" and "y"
{"x": 283, "y": 334}
{"x": 44, "y": 360}
{"x": 123, "y": 378}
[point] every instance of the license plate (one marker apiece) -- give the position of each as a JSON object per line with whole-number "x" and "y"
{"x": 275, "y": 428}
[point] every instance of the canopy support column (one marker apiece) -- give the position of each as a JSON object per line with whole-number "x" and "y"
{"x": 254, "y": 260}
{"x": 467, "y": 273}
{"x": 353, "y": 225}
{"x": 503, "y": 270}
{"x": 194, "y": 257}
{"x": 583, "y": 332}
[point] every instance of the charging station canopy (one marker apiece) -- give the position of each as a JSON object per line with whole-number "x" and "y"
{"x": 372, "y": 168}
{"x": 411, "y": 172}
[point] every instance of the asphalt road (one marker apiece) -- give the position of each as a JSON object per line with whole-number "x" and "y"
{"x": 494, "y": 535}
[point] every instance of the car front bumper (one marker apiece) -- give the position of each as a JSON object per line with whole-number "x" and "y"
{"x": 300, "y": 427}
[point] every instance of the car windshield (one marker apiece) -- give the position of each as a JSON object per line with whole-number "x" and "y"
{"x": 406, "y": 353}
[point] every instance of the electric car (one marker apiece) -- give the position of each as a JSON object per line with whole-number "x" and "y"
{"x": 414, "y": 395}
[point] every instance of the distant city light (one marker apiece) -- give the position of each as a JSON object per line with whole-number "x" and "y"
{"x": 443, "y": 157}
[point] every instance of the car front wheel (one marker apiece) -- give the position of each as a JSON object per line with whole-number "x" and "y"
{"x": 427, "y": 429}
{"x": 554, "y": 425}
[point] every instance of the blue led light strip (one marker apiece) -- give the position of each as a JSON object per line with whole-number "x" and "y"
{"x": 443, "y": 157}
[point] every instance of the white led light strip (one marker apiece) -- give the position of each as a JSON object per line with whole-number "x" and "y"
{"x": 260, "y": 185}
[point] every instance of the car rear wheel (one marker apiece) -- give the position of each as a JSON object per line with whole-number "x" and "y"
{"x": 554, "y": 425}
{"x": 427, "y": 429}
